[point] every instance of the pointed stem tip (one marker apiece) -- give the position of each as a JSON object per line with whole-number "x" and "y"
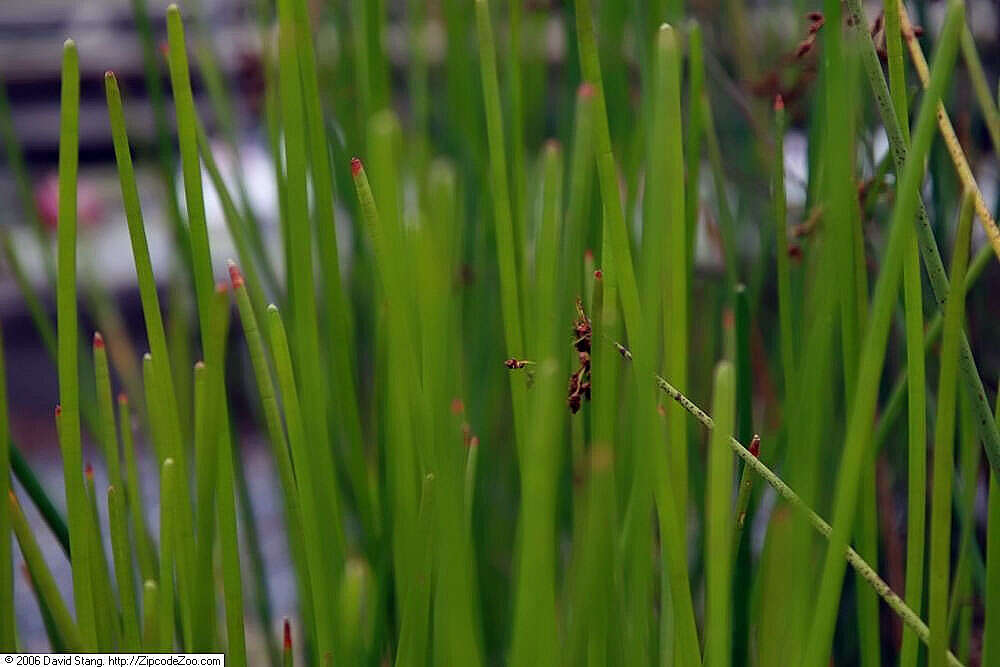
{"x": 779, "y": 103}
{"x": 356, "y": 166}
{"x": 288, "y": 635}
{"x": 235, "y": 275}
{"x": 98, "y": 340}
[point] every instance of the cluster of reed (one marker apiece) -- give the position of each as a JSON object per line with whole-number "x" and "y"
{"x": 441, "y": 505}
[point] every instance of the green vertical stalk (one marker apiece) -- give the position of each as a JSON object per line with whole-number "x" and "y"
{"x": 960, "y": 602}
{"x": 106, "y": 411}
{"x": 305, "y": 346}
{"x": 306, "y": 477}
{"x": 140, "y": 533}
{"x": 105, "y": 608}
{"x": 534, "y": 627}
{"x": 279, "y": 443}
{"x": 8, "y": 631}
{"x": 150, "y": 621}
{"x": 785, "y": 330}
{"x": 339, "y": 337}
{"x": 506, "y": 238}
{"x": 944, "y": 444}
{"x": 872, "y": 356}
{"x": 168, "y": 533}
{"x": 121, "y": 551}
{"x": 915, "y": 372}
{"x": 69, "y": 381}
{"x": 693, "y": 137}
{"x": 580, "y": 181}
{"x": 719, "y": 522}
{"x": 991, "y": 621}
{"x": 667, "y": 164}
{"x": 412, "y": 647}
{"x": 167, "y": 435}
{"x": 515, "y": 96}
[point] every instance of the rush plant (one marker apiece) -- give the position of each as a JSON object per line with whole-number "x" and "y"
{"x": 477, "y": 353}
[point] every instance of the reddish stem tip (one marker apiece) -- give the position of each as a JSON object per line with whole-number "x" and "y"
{"x": 598, "y": 274}
{"x": 222, "y": 287}
{"x": 755, "y": 446}
{"x": 122, "y": 399}
{"x": 586, "y": 90}
{"x": 457, "y": 406}
{"x": 474, "y": 441}
{"x": 58, "y": 411}
{"x": 779, "y": 103}
{"x": 588, "y": 255}
{"x": 98, "y": 340}
{"x": 109, "y": 74}
{"x": 89, "y": 472}
{"x": 288, "y": 635}
{"x": 235, "y": 275}
{"x": 356, "y": 166}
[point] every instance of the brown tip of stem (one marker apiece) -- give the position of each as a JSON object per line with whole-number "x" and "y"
{"x": 89, "y": 472}
{"x": 755, "y": 446}
{"x": 457, "y": 406}
{"x": 473, "y": 441}
{"x": 58, "y": 411}
{"x": 588, "y": 255}
{"x": 586, "y": 91}
{"x": 598, "y": 274}
{"x": 235, "y": 275}
{"x": 98, "y": 340}
{"x": 199, "y": 365}
{"x": 356, "y": 166}
{"x": 109, "y": 74}
{"x": 122, "y": 399}
{"x": 779, "y": 103}
{"x": 288, "y": 635}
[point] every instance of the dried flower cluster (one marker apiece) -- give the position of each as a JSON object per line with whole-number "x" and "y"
{"x": 579, "y": 382}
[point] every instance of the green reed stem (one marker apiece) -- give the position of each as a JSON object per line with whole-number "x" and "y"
{"x": 991, "y": 621}
{"x": 693, "y": 137}
{"x": 337, "y": 318}
{"x": 133, "y": 495}
{"x": 105, "y": 608}
{"x": 312, "y": 509}
{"x": 535, "y": 626}
{"x": 719, "y": 522}
{"x": 168, "y": 533}
{"x": 279, "y": 443}
{"x": 944, "y": 444}
{"x": 412, "y": 647}
{"x": 121, "y": 551}
{"x": 106, "y": 411}
{"x": 506, "y": 236}
{"x": 150, "y": 621}
{"x": 45, "y": 584}
{"x": 69, "y": 381}
{"x": 915, "y": 372}
{"x": 872, "y": 355}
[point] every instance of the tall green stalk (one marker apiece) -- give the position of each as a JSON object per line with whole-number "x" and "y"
{"x": 719, "y": 522}
{"x": 503, "y": 220}
{"x": 69, "y": 381}
{"x": 944, "y": 444}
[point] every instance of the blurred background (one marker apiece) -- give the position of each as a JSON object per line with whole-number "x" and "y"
{"x": 750, "y": 57}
